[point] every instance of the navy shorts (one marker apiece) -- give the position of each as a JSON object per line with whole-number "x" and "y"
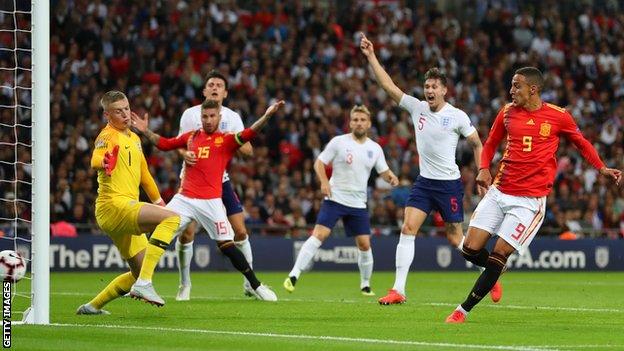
{"x": 444, "y": 196}
{"x": 356, "y": 220}
{"x": 230, "y": 199}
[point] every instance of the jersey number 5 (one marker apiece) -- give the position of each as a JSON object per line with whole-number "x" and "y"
{"x": 527, "y": 141}
{"x": 421, "y": 123}
{"x": 454, "y": 204}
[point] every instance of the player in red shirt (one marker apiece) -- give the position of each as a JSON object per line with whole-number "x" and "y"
{"x": 514, "y": 207}
{"x": 199, "y": 198}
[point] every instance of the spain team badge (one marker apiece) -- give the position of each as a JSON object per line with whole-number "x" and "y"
{"x": 545, "y": 129}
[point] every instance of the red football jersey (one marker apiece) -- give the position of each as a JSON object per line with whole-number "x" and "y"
{"x": 529, "y": 163}
{"x": 213, "y": 151}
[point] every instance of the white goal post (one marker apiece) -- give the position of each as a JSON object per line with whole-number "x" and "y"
{"x": 39, "y": 312}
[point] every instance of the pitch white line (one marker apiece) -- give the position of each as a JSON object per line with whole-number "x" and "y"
{"x": 549, "y": 308}
{"x": 513, "y": 307}
{"x": 526, "y": 282}
{"x": 581, "y": 346}
{"x": 314, "y": 337}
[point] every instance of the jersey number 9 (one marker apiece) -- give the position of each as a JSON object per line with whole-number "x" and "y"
{"x": 527, "y": 141}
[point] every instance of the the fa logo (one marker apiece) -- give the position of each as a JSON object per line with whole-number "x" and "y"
{"x": 602, "y": 256}
{"x": 223, "y": 125}
{"x": 443, "y": 256}
{"x": 446, "y": 121}
{"x": 369, "y": 153}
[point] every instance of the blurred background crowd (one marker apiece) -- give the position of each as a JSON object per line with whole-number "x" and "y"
{"x": 307, "y": 53}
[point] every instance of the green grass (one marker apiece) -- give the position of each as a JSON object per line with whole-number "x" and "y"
{"x": 539, "y": 311}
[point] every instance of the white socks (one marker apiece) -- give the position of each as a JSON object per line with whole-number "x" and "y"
{"x": 245, "y": 248}
{"x": 365, "y": 263}
{"x": 306, "y": 254}
{"x": 404, "y": 258}
{"x": 185, "y": 254}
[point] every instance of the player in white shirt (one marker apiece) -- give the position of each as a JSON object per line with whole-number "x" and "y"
{"x": 214, "y": 89}
{"x": 437, "y": 126}
{"x": 352, "y": 156}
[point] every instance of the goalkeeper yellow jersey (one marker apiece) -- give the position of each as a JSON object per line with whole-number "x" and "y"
{"x": 131, "y": 170}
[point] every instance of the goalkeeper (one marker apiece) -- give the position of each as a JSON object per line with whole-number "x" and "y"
{"x": 121, "y": 167}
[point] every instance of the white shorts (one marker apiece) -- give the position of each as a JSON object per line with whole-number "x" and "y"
{"x": 209, "y": 213}
{"x": 516, "y": 219}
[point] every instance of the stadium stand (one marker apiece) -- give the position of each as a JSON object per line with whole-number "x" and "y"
{"x": 308, "y": 55}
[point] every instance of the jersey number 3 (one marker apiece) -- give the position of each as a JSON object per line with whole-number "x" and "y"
{"x": 349, "y": 158}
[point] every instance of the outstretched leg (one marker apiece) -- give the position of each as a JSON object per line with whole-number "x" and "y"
{"x": 493, "y": 268}
{"x": 306, "y": 255}
{"x": 119, "y": 286}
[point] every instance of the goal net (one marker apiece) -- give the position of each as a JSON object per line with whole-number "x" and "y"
{"x": 24, "y": 151}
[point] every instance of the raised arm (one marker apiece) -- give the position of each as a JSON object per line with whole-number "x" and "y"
{"x": 242, "y": 138}
{"x": 246, "y": 150}
{"x": 380, "y": 74}
{"x": 141, "y": 126}
{"x": 259, "y": 124}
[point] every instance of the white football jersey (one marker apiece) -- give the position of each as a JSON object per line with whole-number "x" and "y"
{"x": 437, "y": 134}
{"x": 352, "y": 163}
{"x": 231, "y": 122}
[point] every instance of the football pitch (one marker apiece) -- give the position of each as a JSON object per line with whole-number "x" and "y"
{"x": 539, "y": 311}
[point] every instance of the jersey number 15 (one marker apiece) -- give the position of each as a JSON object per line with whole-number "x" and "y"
{"x": 203, "y": 152}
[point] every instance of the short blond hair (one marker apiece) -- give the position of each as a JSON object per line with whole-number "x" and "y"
{"x": 111, "y": 97}
{"x": 209, "y": 104}
{"x": 360, "y": 108}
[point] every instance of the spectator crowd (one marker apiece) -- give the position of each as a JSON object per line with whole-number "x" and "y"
{"x": 307, "y": 53}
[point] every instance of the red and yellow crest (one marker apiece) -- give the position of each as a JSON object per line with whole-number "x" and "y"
{"x": 218, "y": 141}
{"x": 545, "y": 129}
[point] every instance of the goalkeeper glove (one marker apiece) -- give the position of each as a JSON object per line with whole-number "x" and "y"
{"x": 110, "y": 160}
